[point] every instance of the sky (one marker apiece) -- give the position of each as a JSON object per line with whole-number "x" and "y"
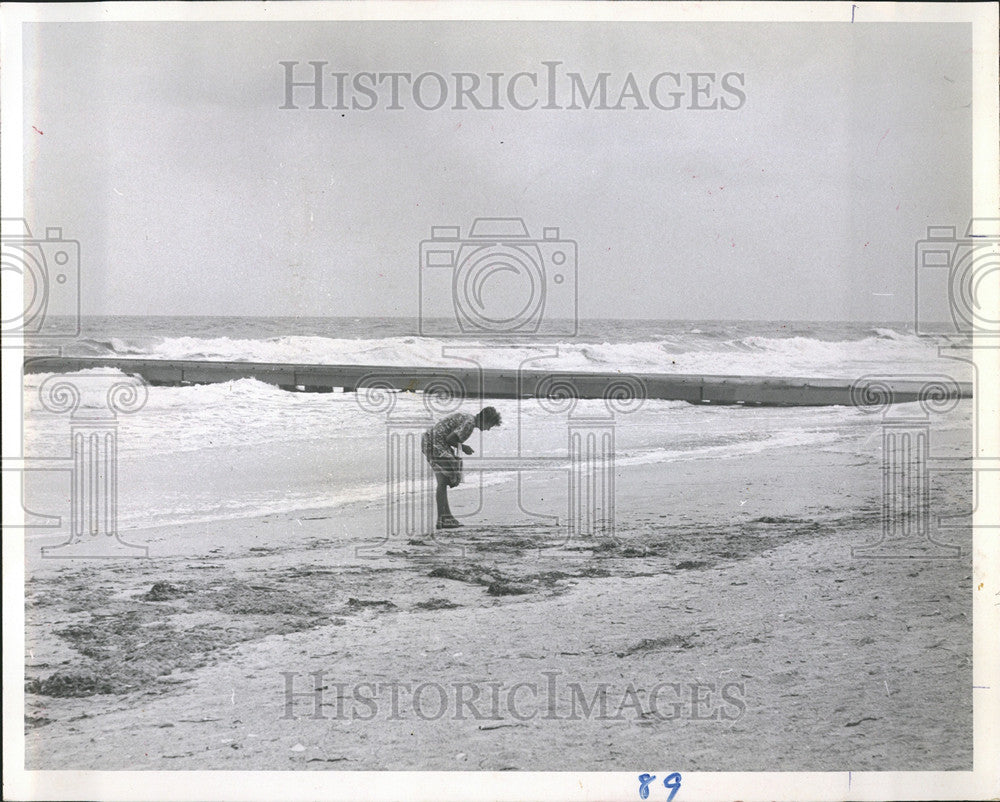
{"x": 162, "y": 148}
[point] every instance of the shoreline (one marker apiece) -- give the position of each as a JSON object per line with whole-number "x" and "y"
{"x": 697, "y": 593}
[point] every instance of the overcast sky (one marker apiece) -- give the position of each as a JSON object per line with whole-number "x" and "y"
{"x": 161, "y": 147}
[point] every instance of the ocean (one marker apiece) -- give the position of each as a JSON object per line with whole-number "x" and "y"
{"x": 245, "y": 448}
{"x": 833, "y": 350}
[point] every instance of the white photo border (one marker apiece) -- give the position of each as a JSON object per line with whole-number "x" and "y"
{"x": 980, "y": 783}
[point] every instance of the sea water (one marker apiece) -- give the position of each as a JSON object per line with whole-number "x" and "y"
{"x": 245, "y": 448}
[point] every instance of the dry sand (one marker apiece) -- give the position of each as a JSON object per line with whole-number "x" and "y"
{"x": 732, "y": 577}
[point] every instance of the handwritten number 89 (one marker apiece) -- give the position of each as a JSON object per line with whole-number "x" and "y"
{"x": 672, "y": 782}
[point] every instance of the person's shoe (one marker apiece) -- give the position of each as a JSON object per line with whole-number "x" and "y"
{"x": 448, "y": 523}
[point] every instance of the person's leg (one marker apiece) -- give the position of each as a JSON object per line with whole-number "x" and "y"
{"x": 445, "y": 519}
{"x": 441, "y": 497}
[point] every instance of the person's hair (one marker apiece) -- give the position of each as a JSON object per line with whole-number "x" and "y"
{"x": 488, "y": 416}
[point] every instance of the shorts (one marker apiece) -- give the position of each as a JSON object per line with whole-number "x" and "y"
{"x": 444, "y": 463}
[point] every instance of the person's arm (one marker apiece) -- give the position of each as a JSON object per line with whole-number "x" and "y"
{"x": 453, "y": 440}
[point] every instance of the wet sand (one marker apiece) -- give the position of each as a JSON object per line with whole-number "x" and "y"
{"x": 725, "y": 626}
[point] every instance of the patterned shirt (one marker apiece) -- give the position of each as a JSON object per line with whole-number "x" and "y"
{"x": 458, "y": 423}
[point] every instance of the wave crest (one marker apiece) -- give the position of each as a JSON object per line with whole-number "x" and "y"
{"x": 883, "y": 350}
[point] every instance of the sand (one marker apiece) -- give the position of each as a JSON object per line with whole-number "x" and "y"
{"x": 726, "y": 626}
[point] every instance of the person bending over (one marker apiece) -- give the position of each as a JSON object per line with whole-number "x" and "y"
{"x": 440, "y": 445}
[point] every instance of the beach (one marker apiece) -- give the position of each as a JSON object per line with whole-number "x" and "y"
{"x": 722, "y": 625}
